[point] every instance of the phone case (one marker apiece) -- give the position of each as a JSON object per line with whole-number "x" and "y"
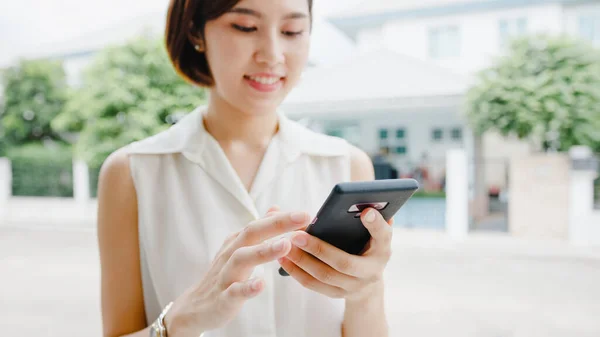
{"x": 339, "y": 223}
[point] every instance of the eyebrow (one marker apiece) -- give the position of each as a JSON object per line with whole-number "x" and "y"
{"x": 248, "y": 11}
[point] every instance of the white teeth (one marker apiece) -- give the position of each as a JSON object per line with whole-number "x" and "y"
{"x": 265, "y": 80}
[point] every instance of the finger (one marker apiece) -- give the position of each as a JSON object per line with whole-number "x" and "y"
{"x": 231, "y": 238}
{"x": 226, "y": 247}
{"x": 320, "y": 270}
{"x": 245, "y": 259}
{"x": 338, "y": 259}
{"x": 238, "y": 292}
{"x": 309, "y": 282}
{"x": 380, "y": 230}
{"x": 272, "y": 211}
{"x": 270, "y": 227}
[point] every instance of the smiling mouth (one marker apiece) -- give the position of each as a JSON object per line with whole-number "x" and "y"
{"x": 266, "y": 80}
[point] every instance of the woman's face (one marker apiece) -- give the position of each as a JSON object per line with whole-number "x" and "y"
{"x": 257, "y": 51}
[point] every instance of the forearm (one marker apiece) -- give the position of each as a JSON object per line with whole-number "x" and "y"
{"x": 141, "y": 333}
{"x": 366, "y": 317}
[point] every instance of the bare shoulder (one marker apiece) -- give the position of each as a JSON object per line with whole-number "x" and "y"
{"x": 115, "y": 167}
{"x": 361, "y": 165}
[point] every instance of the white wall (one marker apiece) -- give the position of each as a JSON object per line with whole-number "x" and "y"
{"x": 497, "y": 153}
{"x": 572, "y": 14}
{"x": 584, "y": 220}
{"x": 370, "y": 39}
{"x": 479, "y": 34}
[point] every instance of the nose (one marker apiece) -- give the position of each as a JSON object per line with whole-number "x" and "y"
{"x": 270, "y": 50}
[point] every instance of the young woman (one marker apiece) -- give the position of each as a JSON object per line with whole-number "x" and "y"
{"x": 190, "y": 243}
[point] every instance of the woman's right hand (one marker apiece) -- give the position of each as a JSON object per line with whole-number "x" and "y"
{"x": 216, "y": 299}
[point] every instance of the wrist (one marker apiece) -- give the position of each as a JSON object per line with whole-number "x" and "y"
{"x": 371, "y": 295}
{"x": 179, "y": 324}
{"x": 171, "y": 323}
{"x": 174, "y": 324}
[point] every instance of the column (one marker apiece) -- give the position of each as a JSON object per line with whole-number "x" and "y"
{"x": 5, "y": 186}
{"x": 584, "y": 221}
{"x": 81, "y": 181}
{"x": 457, "y": 194}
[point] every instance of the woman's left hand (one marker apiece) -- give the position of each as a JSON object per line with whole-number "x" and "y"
{"x": 324, "y": 268}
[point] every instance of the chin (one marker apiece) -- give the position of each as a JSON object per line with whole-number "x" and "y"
{"x": 260, "y": 107}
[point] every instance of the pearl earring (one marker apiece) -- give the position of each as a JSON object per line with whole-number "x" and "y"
{"x": 197, "y": 47}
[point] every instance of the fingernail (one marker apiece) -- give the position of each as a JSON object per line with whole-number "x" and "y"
{"x": 298, "y": 217}
{"x": 370, "y": 217}
{"x": 256, "y": 284}
{"x": 299, "y": 240}
{"x": 278, "y": 246}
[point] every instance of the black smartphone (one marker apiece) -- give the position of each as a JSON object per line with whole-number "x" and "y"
{"x": 338, "y": 220}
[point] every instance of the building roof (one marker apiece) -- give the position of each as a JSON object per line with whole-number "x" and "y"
{"x": 379, "y": 75}
{"x": 374, "y": 13}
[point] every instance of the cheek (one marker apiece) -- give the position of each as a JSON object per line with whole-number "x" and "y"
{"x": 224, "y": 58}
{"x": 296, "y": 58}
{"x": 226, "y": 53}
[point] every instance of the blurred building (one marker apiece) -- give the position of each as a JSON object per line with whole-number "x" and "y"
{"x": 390, "y": 75}
{"x": 463, "y": 35}
{"x": 383, "y": 101}
{"x": 404, "y": 89}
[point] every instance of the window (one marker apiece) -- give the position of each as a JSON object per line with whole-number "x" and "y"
{"x": 335, "y": 133}
{"x": 400, "y": 150}
{"x": 384, "y": 150}
{"x": 444, "y": 42}
{"x": 589, "y": 28}
{"x": 511, "y": 28}
{"x": 437, "y": 134}
{"x": 456, "y": 134}
{"x": 394, "y": 139}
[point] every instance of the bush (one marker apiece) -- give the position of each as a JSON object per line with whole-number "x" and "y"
{"x": 128, "y": 92}
{"x": 34, "y": 92}
{"x": 41, "y": 172}
{"x": 546, "y": 89}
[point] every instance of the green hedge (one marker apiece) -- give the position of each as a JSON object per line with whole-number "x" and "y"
{"x": 432, "y": 195}
{"x": 41, "y": 172}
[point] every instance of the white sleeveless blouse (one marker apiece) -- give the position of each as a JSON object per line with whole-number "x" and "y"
{"x": 190, "y": 199}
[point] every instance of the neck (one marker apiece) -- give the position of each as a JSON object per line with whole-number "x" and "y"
{"x": 228, "y": 124}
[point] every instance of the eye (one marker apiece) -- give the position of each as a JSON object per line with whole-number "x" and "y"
{"x": 292, "y": 34}
{"x": 244, "y": 28}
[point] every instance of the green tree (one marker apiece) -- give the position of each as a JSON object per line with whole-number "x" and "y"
{"x": 546, "y": 89}
{"x": 34, "y": 93}
{"x": 128, "y": 92}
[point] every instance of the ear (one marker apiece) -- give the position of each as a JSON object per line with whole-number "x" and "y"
{"x": 196, "y": 39}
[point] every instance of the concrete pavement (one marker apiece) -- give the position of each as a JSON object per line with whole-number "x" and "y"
{"x": 486, "y": 286}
